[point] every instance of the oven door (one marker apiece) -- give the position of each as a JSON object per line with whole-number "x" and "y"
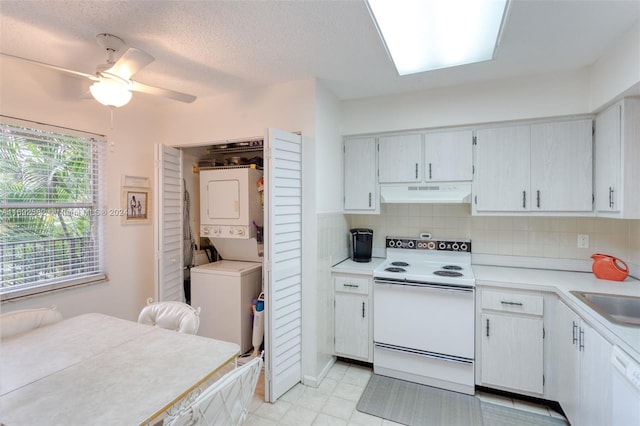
{"x": 432, "y": 318}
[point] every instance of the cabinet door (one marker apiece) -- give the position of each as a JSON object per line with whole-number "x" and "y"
{"x": 400, "y": 158}
{"x": 561, "y": 166}
{"x": 352, "y": 325}
{"x": 448, "y": 156}
{"x": 595, "y": 378}
{"x": 360, "y": 183}
{"x": 565, "y": 339}
{"x": 608, "y": 160}
{"x": 501, "y": 181}
{"x": 512, "y": 352}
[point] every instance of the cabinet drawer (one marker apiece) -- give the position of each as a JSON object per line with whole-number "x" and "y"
{"x": 512, "y": 302}
{"x": 352, "y": 284}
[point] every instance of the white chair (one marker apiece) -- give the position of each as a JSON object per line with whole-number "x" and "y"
{"x": 225, "y": 403}
{"x": 27, "y": 319}
{"x": 176, "y": 316}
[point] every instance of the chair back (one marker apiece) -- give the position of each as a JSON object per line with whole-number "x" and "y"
{"x": 15, "y": 322}
{"x": 176, "y": 316}
{"x": 225, "y": 402}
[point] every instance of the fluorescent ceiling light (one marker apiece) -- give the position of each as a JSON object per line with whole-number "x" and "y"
{"x": 422, "y": 35}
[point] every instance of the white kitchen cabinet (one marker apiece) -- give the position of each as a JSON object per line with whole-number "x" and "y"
{"x": 400, "y": 158}
{"x": 448, "y": 156}
{"x": 501, "y": 180}
{"x": 583, "y": 369}
{"x": 360, "y": 176}
{"x": 562, "y": 166}
{"x": 512, "y": 345}
{"x": 617, "y": 154}
{"x": 352, "y": 317}
{"x": 536, "y": 168}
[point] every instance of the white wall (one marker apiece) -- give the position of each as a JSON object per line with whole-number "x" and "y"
{"x": 504, "y": 100}
{"x": 617, "y": 71}
{"x": 31, "y": 93}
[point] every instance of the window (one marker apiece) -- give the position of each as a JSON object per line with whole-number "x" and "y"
{"x": 50, "y": 203}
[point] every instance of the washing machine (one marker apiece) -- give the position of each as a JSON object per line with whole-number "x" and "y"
{"x": 224, "y": 292}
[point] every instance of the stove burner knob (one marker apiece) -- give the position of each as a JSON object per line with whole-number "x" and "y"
{"x": 455, "y": 246}
{"x": 463, "y": 247}
{"x": 410, "y": 244}
{"x": 399, "y": 244}
{"x": 391, "y": 243}
{"x": 442, "y": 246}
{"x": 431, "y": 245}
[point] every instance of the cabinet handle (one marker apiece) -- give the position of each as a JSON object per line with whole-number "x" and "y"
{"x": 575, "y": 336}
{"x": 362, "y": 309}
{"x": 351, "y": 285}
{"x": 416, "y": 170}
{"x": 524, "y": 199}
{"x": 487, "y": 327}
{"x": 429, "y": 170}
{"x": 538, "y": 198}
{"x": 610, "y": 197}
{"x": 511, "y": 303}
{"x": 581, "y": 339}
{"x": 369, "y": 199}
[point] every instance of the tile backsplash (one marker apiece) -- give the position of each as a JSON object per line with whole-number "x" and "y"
{"x": 553, "y": 237}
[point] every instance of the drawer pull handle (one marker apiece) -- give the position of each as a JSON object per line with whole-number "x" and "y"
{"x": 351, "y": 285}
{"x": 575, "y": 335}
{"x": 511, "y": 303}
{"x": 362, "y": 309}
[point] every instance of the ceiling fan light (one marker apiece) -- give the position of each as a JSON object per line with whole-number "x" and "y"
{"x": 110, "y": 93}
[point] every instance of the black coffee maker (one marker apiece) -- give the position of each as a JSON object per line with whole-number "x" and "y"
{"x": 361, "y": 243}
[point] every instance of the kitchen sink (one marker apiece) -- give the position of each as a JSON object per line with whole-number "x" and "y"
{"x": 623, "y": 310}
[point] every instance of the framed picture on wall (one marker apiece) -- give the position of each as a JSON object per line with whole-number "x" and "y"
{"x": 137, "y": 207}
{"x": 135, "y": 200}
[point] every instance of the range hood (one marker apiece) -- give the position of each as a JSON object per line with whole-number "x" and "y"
{"x": 445, "y": 193}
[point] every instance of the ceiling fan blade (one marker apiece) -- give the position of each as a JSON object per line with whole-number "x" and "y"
{"x": 57, "y": 68}
{"x": 182, "y": 97}
{"x": 131, "y": 61}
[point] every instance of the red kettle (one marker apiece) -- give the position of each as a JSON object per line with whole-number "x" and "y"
{"x": 608, "y": 267}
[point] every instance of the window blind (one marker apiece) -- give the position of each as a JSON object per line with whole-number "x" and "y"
{"x": 51, "y": 215}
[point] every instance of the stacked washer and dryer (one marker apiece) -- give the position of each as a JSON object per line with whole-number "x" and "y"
{"x": 231, "y": 214}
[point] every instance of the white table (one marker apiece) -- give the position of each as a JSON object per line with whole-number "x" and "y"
{"x": 99, "y": 370}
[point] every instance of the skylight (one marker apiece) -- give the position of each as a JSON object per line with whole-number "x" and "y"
{"x": 423, "y": 35}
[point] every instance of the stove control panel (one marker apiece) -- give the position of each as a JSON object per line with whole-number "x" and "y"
{"x": 421, "y": 244}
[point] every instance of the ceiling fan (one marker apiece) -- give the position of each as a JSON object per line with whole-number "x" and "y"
{"x": 112, "y": 81}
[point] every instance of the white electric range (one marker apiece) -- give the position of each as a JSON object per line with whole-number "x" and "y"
{"x": 424, "y": 313}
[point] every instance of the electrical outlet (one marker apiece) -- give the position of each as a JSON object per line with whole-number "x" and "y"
{"x": 583, "y": 241}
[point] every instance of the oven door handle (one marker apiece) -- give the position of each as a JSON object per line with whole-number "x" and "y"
{"x": 443, "y": 287}
{"x": 426, "y": 354}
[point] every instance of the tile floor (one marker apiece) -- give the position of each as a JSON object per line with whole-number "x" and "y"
{"x": 334, "y": 402}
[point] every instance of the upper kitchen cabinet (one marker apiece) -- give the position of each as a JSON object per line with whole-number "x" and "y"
{"x": 360, "y": 176}
{"x": 501, "y": 181}
{"x": 400, "y": 158}
{"x": 617, "y": 155}
{"x": 541, "y": 168}
{"x": 448, "y": 156}
{"x": 562, "y": 166}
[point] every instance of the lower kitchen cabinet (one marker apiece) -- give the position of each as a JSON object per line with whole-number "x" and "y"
{"x": 352, "y": 317}
{"x": 583, "y": 368}
{"x": 512, "y": 345}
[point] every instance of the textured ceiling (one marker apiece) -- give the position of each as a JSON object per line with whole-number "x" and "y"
{"x": 212, "y": 47}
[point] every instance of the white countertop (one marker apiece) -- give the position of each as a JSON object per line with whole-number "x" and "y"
{"x": 348, "y": 266}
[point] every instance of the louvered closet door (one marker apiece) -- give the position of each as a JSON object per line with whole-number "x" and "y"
{"x": 168, "y": 238}
{"x": 283, "y": 262}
